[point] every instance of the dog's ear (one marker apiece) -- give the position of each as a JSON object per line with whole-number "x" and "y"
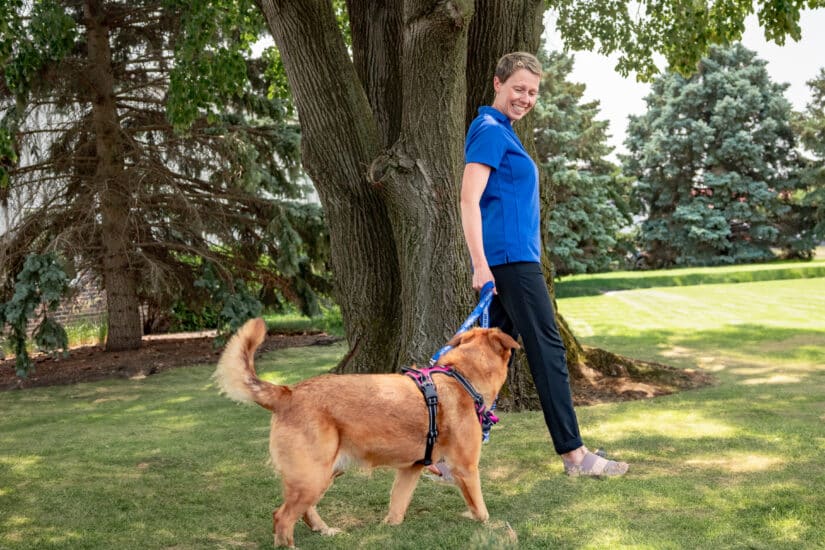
{"x": 501, "y": 342}
{"x": 462, "y": 338}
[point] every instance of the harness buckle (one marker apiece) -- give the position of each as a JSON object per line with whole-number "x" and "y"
{"x": 430, "y": 393}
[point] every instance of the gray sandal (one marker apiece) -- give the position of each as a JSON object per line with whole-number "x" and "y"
{"x": 595, "y": 465}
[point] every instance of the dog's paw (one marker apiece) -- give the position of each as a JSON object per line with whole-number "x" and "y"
{"x": 392, "y": 519}
{"x": 481, "y": 516}
{"x": 330, "y": 531}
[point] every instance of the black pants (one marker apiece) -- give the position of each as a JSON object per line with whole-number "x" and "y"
{"x": 523, "y": 307}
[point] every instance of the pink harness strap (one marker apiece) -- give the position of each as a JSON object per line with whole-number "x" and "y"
{"x": 423, "y": 379}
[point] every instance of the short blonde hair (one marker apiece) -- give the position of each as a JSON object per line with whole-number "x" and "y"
{"x": 512, "y": 62}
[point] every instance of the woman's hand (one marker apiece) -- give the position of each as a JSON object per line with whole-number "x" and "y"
{"x": 481, "y": 276}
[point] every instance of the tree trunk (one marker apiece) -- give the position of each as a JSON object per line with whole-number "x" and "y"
{"x": 124, "y": 327}
{"x": 376, "y": 37}
{"x": 420, "y": 175}
{"x": 339, "y": 141}
{"x": 500, "y": 27}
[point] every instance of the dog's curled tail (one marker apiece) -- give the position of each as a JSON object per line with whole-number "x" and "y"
{"x": 236, "y": 375}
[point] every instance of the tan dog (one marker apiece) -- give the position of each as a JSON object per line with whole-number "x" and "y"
{"x": 321, "y": 424}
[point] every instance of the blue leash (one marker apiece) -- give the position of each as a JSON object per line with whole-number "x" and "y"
{"x": 481, "y": 310}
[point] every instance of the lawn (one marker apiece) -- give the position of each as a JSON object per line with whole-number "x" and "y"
{"x": 589, "y": 285}
{"x": 165, "y": 462}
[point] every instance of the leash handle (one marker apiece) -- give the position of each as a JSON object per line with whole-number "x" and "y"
{"x": 486, "y": 299}
{"x": 481, "y": 310}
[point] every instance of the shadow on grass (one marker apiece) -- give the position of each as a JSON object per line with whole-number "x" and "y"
{"x": 742, "y": 489}
{"x": 751, "y": 344}
{"x": 167, "y": 462}
{"x": 757, "y": 509}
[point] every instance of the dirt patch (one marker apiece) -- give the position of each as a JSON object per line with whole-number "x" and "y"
{"x": 157, "y": 354}
{"x": 608, "y": 377}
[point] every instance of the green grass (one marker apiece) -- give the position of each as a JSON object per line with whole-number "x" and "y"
{"x": 78, "y": 333}
{"x": 291, "y": 322}
{"x": 329, "y": 321}
{"x": 91, "y": 333}
{"x": 745, "y": 456}
{"x": 590, "y": 285}
{"x": 86, "y": 333}
{"x": 165, "y": 462}
{"x": 162, "y": 462}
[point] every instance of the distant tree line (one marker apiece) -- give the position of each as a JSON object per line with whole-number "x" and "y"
{"x": 719, "y": 170}
{"x": 719, "y": 174}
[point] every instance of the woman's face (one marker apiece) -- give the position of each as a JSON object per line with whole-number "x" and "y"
{"x": 516, "y": 95}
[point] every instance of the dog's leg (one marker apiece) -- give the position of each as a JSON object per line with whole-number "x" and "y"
{"x": 469, "y": 481}
{"x": 300, "y": 495}
{"x": 317, "y": 524}
{"x": 313, "y": 519}
{"x": 402, "y": 490}
{"x": 307, "y": 468}
{"x": 282, "y": 527}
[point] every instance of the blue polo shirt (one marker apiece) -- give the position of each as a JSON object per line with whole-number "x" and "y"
{"x": 510, "y": 202}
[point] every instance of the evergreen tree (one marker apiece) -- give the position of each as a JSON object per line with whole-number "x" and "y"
{"x": 94, "y": 170}
{"x": 715, "y": 163}
{"x": 581, "y": 231}
{"x": 811, "y": 128}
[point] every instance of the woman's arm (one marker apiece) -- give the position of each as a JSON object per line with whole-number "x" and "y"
{"x": 473, "y": 184}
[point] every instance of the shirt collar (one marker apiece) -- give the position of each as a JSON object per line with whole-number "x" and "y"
{"x": 495, "y": 113}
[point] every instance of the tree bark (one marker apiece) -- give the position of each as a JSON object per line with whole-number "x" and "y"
{"x": 376, "y": 37}
{"x": 499, "y": 27}
{"x": 340, "y": 139}
{"x": 421, "y": 174}
{"x": 124, "y": 326}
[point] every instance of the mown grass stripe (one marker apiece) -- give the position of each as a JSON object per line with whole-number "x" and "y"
{"x": 591, "y": 285}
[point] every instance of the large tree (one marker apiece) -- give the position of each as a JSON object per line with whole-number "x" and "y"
{"x": 810, "y": 206}
{"x": 383, "y": 125}
{"x": 94, "y": 169}
{"x": 716, "y": 163}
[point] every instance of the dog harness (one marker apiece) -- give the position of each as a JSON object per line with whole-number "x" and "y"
{"x": 423, "y": 379}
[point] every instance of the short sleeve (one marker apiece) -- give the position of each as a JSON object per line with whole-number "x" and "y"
{"x": 486, "y": 144}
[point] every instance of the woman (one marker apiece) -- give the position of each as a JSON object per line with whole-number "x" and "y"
{"x": 500, "y": 218}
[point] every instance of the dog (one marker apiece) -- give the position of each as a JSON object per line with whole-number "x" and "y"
{"x": 323, "y": 423}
